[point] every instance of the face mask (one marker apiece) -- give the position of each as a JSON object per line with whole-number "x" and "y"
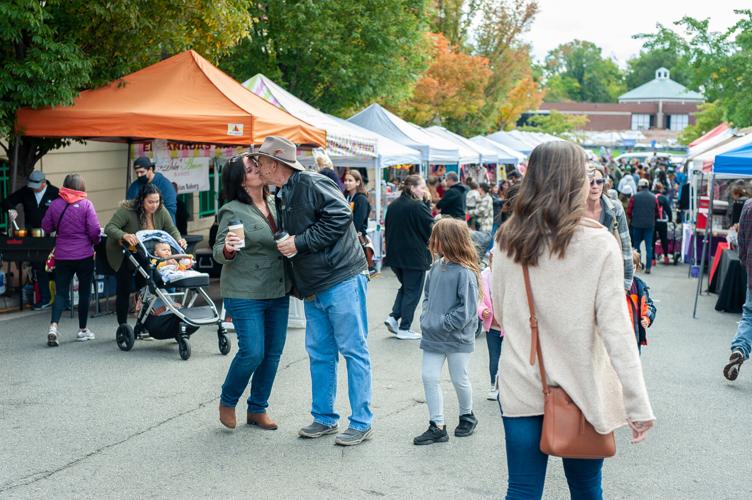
{"x": 142, "y": 179}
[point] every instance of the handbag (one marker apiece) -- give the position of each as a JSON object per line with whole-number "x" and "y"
{"x": 49, "y": 264}
{"x": 365, "y": 242}
{"x": 566, "y": 433}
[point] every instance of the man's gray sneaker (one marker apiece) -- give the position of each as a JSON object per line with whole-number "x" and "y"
{"x": 391, "y": 324}
{"x": 351, "y": 437}
{"x": 316, "y": 430}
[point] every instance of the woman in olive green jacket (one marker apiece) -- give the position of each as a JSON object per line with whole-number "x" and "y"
{"x": 144, "y": 212}
{"x": 254, "y": 286}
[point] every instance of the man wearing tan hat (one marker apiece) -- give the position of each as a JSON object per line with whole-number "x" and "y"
{"x": 330, "y": 273}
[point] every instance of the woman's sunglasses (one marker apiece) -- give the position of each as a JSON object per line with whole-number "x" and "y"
{"x": 600, "y": 182}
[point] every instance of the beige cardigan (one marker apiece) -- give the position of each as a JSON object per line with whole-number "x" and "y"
{"x": 588, "y": 343}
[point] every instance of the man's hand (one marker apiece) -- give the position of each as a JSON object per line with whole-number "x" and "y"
{"x": 183, "y": 244}
{"x": 287, "y": 247}
{"x": 12, "y": 215}
{"x": 645, "y": 322}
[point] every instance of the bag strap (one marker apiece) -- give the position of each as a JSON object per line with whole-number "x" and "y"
{"x": 535, "y": 350}
{"x": 60, "y": 219}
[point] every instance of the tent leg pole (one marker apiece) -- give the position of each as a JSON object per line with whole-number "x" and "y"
{"x": 128, "y": 168}
{"x": 14, "y": 167}
{"x": 377, "y": 233}
{"x": 706, "y": 247}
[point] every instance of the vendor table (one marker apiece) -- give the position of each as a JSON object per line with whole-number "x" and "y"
{"x": 20, "y": 250}
{"x": 730, "y": 282}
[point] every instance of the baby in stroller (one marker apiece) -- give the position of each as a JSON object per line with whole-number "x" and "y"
{"x": 171, "y": 301}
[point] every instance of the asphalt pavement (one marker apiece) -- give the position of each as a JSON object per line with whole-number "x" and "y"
{"x": 86, "y": 420}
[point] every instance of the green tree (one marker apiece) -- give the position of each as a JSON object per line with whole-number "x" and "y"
{"x": 453, "y": 19}
{"x": 710, "y": 115}
{"x": 719, "y": 63}
{"x": 48, "y": 53}
{"x": 498, "y": 39}
{"x": 578, "y": 71}
{"x": 641, "y": 68}
{"x": 555, "y": 123}
{"x": 337, "y": 56}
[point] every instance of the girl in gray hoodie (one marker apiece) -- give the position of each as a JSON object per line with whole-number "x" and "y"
{"x": 448, "y": 323}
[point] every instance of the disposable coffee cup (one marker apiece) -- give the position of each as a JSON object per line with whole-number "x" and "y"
{"x": 281, "y": 236}
{"x": 236, "y": 228}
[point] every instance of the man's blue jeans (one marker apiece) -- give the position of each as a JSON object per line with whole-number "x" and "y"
{"x": 743, "y": 339}
{"x": 527, "y": 464}
{"x": 640, "y": 234}
{"x": 336, "y": 322}
{"x": 261, "y": 326}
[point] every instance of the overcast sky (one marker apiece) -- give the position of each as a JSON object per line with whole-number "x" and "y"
{"x": 611, "y": 25}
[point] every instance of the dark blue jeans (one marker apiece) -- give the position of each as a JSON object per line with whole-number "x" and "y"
{"x": 640, "y": 234}
{"x": 493, "y": 342}
{"x": 527, "y": 464}
{"x": 261, "y": 326}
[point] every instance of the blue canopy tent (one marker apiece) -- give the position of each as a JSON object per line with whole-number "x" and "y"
{"x": 733, "y": 164}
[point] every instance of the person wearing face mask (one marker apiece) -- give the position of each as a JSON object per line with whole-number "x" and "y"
{"x": 35, "y": 197}
{"x": 145, "y": 172}
{"x": 610, "y": 214}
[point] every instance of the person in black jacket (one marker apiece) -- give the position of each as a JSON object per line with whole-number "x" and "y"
{"x": 453, "y": 202}
{"x": 666, "y": 216}
{"x": 357, "y": 196}
{"x": 35, "y": 198}
{"x": 330, "y": 272}
{"x": 408, "y": 226}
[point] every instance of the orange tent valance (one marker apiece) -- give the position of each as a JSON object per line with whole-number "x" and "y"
{"x": 183, "y": 98}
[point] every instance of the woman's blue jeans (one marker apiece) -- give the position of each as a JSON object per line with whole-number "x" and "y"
{"x": 527, "y": 464}
{"x": 261, "y": 327}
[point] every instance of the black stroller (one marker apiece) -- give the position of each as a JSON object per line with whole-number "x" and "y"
{"x": 169, "y": 308}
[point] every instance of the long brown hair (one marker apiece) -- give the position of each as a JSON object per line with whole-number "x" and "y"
{"x": 547, "y": 210}
{"x": 450, "y": 238}
{"x": 360, "y": 187}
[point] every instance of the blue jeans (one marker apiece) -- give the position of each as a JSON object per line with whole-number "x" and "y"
{"x": 493, "y": 342}
{"x": 527, "y": 464}
{"x": 640, "y": 234}
{"x": 261, "y": 326}
{"x": 336, "y": 322}
{"x": 743, "y": 338}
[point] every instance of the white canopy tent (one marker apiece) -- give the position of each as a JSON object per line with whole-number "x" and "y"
{"x": 505, "y": 139}
{"x": 468, "y": 153}
{"x": 505, "y": 154}
{"x": 433, "y": 149}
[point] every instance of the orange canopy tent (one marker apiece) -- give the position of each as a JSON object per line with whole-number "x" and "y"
{"x": 184, "y": 98}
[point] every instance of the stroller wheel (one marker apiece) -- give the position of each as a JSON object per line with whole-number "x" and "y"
{"x": 125, "y": 337}
{"x": 224, "y": 343}
{"x": 184, "y": 348}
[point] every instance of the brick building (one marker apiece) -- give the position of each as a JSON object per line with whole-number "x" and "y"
{"x": 658, "y": 104}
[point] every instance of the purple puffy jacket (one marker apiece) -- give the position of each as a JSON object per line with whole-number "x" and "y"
{"x": 79, "y": 229}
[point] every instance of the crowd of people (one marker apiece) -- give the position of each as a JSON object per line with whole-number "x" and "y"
{"x": 556, "y": 227}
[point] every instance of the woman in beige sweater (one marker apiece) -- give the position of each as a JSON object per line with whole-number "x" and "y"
{"x": 586, "y": 339}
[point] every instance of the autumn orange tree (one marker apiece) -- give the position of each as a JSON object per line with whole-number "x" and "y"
{"x": 452, "y": 88}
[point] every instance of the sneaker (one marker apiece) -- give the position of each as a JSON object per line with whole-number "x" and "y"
{"x": 408, "y": 335}
{"x": 391, "y": 324}
{"x": 52, "y": 337}
{"x": 351, "y": 437}
{"x": 493, "y": 394}
{"x": 432, "y": 435}
{"x": 731, "y": 370}
{"x": 145, "y": 336}
{"x": 41, "y": 307}
{"x": 647, "y": 271}
{"x": 84, "y": 335}
{"x": 467, "y": 425}
{"x": 316, "y": 430}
